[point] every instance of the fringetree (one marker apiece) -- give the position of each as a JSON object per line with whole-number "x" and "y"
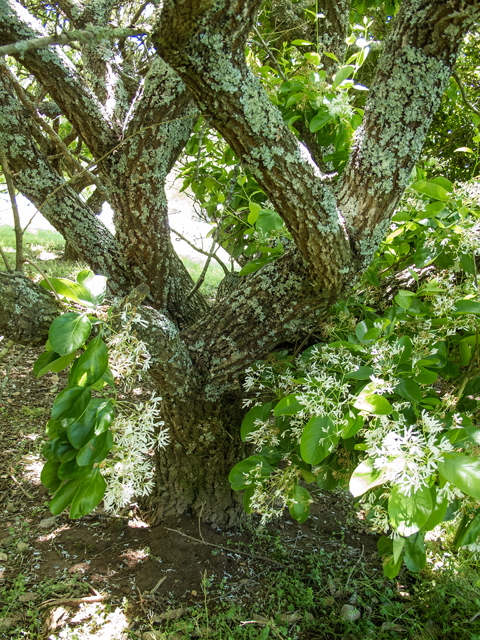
{"x": 130, "y": 106}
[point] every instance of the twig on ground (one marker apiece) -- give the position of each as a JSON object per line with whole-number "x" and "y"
{"x": 25, "y": 493}
{"x": 73, "y": 602}
{"x": 218, "y": 546}
{"x": 157, "y": 585}
{"x": 199, "y": 522}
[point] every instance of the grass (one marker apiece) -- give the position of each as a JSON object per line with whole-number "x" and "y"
{"x": 45, "y": 248}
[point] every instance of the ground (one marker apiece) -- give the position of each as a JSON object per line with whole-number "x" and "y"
{"x": 117, "y": 577}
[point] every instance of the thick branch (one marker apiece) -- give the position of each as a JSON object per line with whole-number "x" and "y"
{"x": 91, "y": 36}
{"x": 35, "y": 178}
{"x": 207, "y": 50}
{"x": 412, "y": 75}
{"x": 59, "y": 78}
{"x": 27, "y": 310}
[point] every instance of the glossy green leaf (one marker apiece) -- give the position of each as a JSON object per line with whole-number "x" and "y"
{"x": 320, "y": 120}
{"x": 408, "y": 514}
{"x": 71, "y": 403}
{"x": 373, "y": 403}
{"x": 431, "y": 190}
{"x": 92, "y": 364}
{"x": 406, "y": 345}
{"x": 49, "y": 476}
{"x": 398, "y": 545}
{"x": 93, "y": 449}
{"x": 96, "y": 285}
{"x": 318, "y": 439}
{"x": 409, "y": 390}
{"x": 90, "y": 492}
{"x": 51, "y": 361}
{"x": 68, "y": 332}
{"x": 105, "y": 416}
{"x": 287, "y": 406}
{"x": 83, "y": 429}
{"x": 299, "y": 504}
{"x": 365, "y": 477}
{"x": 362, "y": 373}
{"x": 64, "y": 497}
{"x": 391, "y": 568}
{"x": 462, "y": 471}
{"x": 247, "y": 496}
{"x": 414, "y": 552}
{"x": 256, "y": 413}
{"x": 467, "y": 306}
{"x": 70, "y": 290}
{"x": 469, "y": 531}
{"x": 268, "y": 221}
{"x": 71, "y": 470}
{"x": 440, "y": 504}
{"x": 239, "y": 476}
{"x": 341, "y": 75}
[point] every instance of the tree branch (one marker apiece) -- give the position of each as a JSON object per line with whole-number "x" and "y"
{"x": 59, "y": 78}
{"x": 90, "y": 36}
{"x": 464, "y": 95}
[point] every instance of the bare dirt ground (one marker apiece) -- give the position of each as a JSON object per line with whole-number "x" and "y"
{"x": 166, "y": 580}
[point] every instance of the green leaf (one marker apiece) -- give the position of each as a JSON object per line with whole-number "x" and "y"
{"x": 71, "y": 403}
{"x": 105, "y": 416}
{"x": 90, "y": 492}
{"x": 467, "y": 306}
{"x": 92, "y": 364}
{"x": 51, "y": 361}
{"x": 64, "y": 496}
{"x": 256, "y": 413}
{"x": 384, "y": 546}
{"x": 443, "y": 182}
{"x": 288, "y": 406}
{"x": 341, "y": 75}
{"x": 465, "y": 150}
{"x": 424, "y": 256}
{"x": 302, "y": 43}
{"x": 404, "y": 299}
{"x": 432, "y": 209}
{"x": 462, "y": 471}
{"x": 470, "y": 530}
{"x": 414, "y": 552}
{"x": 406, "y": 344}
{"x": 239, "y": 476}
{"x": 268, "y": 221}
{"x": 319, "y": 428}
{"x": 320, "y": 120}
{"x": 398, "y": 545}
{"x": 70, "y": 290}
{"x": 54, "y": 428}
{"x": 352, "y": 428}
{"x": 82, "y": 430}
{"x": 426, "y": 377}
{"x": 391, "y": 568}
{"x": 408, "y": 514}
{"x": 255, "y": 209}
{"x": 94, "y": 449}
{"x": 94, "y": 284}
{"x": 299, "y": 506}
{"x": 247, "y": 496}
{"x": 49, "y": 476}
{"x": 71, "y": 470}
{"x": 440, "y": 505}
{"x": 256, "y": 264}
{"x": 373, "y": 403}
{"x": 431, "y": 190}
{"x": 68, "y": 332}
{"x": 409, "y": 390}
{"x": 365, "y": 477}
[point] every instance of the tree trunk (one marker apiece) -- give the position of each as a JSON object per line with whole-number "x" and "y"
{"x": 192, "y": 473}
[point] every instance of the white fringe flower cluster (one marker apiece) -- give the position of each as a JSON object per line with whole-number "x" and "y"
{"x": 137, "y": 433}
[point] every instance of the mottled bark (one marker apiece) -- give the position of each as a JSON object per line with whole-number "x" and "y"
{"x": 36, "y": 180}
{"x": 60, "y": 79}
{"x": 26, "y": 311}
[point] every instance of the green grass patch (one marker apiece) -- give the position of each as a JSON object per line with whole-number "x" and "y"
{"x": 48, "y": 240}
{"x": 213, "y": 276}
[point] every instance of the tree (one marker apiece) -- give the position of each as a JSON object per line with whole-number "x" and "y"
{"x": 134, "y": 111}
